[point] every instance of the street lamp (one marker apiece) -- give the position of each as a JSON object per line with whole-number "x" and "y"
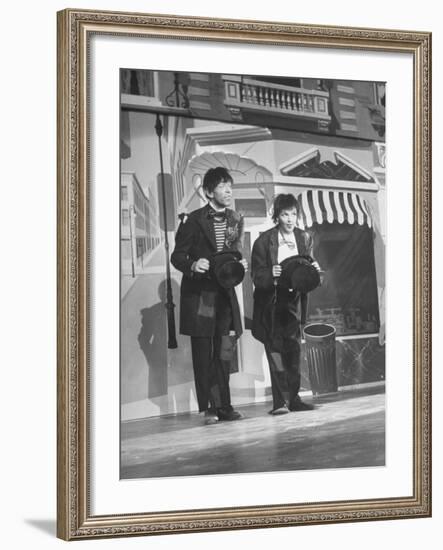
{"x": 172, "y": 341}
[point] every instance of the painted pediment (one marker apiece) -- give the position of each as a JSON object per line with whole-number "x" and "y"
{"x": 325, "y": 164}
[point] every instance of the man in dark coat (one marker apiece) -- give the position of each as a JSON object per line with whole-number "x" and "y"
{"x": 274, "y": 305}
{"x": 209, "y": 313}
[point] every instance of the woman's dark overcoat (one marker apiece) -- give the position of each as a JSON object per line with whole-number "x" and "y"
{"x": 202, "y": 300}
{"x": 264, "y": 256}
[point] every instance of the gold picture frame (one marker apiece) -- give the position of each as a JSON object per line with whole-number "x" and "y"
{"x": 74, "y": 518}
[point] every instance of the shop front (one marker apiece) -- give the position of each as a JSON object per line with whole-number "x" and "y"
{"x": 346, "y": 246}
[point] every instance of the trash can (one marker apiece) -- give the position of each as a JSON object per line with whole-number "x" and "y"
{"x": 320, "y": 354}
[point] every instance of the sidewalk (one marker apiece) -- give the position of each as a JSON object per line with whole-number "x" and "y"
{"x": 153, "y": 263}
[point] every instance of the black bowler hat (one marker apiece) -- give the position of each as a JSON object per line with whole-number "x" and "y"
{"x": 226, "y": 268}
{"x": 299, "y": 274}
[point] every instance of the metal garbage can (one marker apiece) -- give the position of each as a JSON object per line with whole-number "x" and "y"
{"x": 320, "y": 354}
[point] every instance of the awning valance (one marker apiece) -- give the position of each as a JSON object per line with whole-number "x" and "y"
{"x": 320, "y": 206}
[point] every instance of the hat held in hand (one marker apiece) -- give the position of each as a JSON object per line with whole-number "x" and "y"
{"x": 226, "y": 268}
{"x": 299, "y": 274}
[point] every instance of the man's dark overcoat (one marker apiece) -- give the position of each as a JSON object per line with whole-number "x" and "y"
{"x": 202, "y": 300}
{"x": 264, "y": 256}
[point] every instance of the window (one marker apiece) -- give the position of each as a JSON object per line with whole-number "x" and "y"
{"x": 137, "y": 82}
{"x": 348, "y": 297}
{"x": 251, "y": 208}
{"x": 126, "y": 250}
{"x": 125, "y": 217}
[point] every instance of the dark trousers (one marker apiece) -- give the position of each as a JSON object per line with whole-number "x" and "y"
{"x": 211, "y": 373}
{"x": 285, "y": 374}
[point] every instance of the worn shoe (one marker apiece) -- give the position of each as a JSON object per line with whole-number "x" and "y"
{"x": 279, "y": 410}
{"x": 210, "y": 418}
{"x": 300, "y": 405}
{"x": 229, "y": 414}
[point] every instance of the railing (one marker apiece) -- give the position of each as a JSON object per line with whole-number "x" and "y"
{"x": 260, "y": 95}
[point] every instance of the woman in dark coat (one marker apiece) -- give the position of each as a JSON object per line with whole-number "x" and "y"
{"x": 209, "y": 313}
{"x": 282, "y": 349}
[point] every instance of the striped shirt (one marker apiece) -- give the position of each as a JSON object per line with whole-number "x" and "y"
{"x": 220, "y": 230}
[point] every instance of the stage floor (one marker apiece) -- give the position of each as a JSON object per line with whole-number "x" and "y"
{"x": 346, "y": 430}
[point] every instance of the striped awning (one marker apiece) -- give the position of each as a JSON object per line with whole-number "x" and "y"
{"x": 319, "y": 206}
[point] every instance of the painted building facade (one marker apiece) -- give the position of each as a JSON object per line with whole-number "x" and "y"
{"x": 324, "y": 143}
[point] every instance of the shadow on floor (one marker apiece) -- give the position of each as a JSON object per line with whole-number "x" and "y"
{"x": 48, "y": 526}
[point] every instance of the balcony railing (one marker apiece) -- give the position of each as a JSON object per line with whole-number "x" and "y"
{"x": 251, "y": 94}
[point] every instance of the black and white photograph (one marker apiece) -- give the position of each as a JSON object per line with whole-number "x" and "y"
{"x": 252, "y": 273}
{"x": 219, "y": 324}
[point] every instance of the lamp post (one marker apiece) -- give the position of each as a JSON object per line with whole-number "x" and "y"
{"x": 172, "y": 341}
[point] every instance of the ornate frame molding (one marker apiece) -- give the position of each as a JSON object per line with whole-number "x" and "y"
{"x": 75, "y": 28}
